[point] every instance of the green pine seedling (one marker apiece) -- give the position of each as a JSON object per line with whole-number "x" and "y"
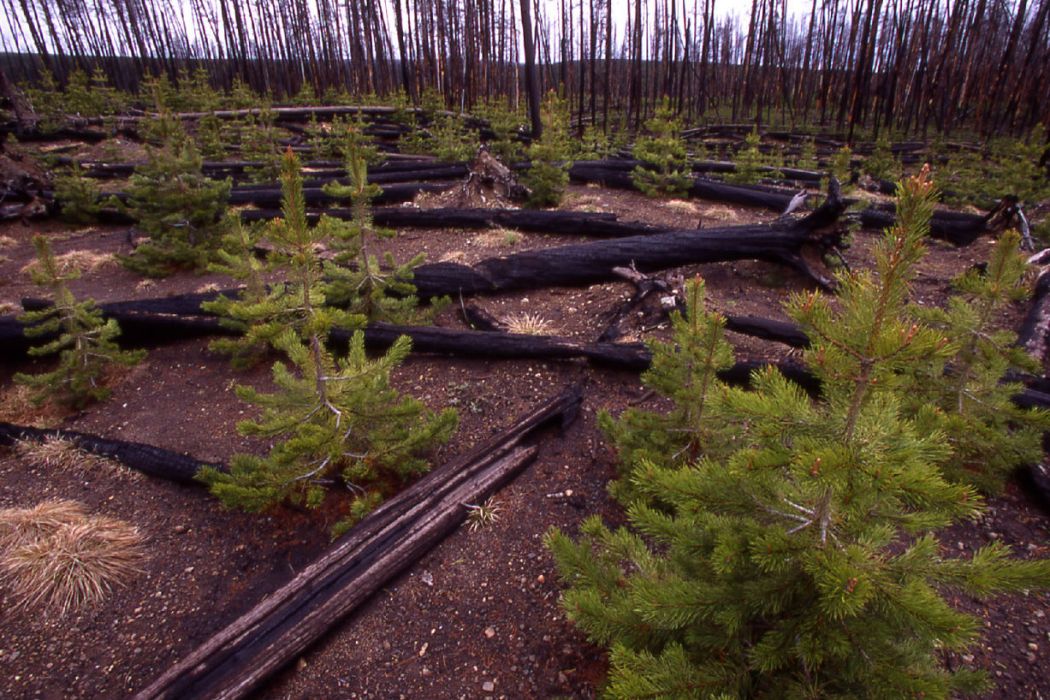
{"x": 356, "y": 280}
{"x": 842, "y": 165}
{"x": 549, "y": 164}
{"x": 237, "y": 259}
{"x": 259, "y": 145}
{"x": 802, "y": 563}
{"x": 507, "y": 126}
{"x": 451, "y": 141}
{"x": 209, "y": 137}
{"x": 748, "y": 160}
{"x": 684, "y": 370}
{"x": 177, "y": 207}
{"x": 990, "y": 435}
{"x": 338, "y": 422}
{"x": 882, "y": 164}
{"x": 664, "y": 169}
{"x": 807, "y": 155}
{"x": 86, "y": 345}
{"x": 299, "y": 303}
{"x": 338, "y": 419}
{"x": 78, "y": 196}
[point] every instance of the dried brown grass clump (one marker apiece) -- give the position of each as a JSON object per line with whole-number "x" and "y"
{"x": 57, "y": 452}
{"x": 527, "y": 324}
{"x": 77, "y": 260}
{"x": 22, "y": 526}
{"x": 63, "y": 558}
{"x": 16, "y": 406}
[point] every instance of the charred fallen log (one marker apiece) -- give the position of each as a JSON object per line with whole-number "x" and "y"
{"x": 147, "y": 459}
{"x": 701, "y": 188}
{"x": 957, "y": 228}
{"x": 239, "y": 658}
{"x": 534, "y": 221}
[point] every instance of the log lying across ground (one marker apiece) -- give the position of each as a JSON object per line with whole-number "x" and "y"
{"x": 781, "y": 242}
{"x": 279, "y": 628}
{"x": 958, "y": 228}
{"x": 148, "y": 459}
{"x": 532, "y": 220}
{"x": 314, "y": 168}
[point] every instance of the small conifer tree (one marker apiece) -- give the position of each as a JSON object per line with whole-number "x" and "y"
{"x": 664, "y": 169}
{"x": 300, "y": 301}
{"x": 842, "y": 165}
{"x": 685, "y": 371}
{"x": 259, "y": 144}
{"x": 237, "y": 259}
{"x": 801, "y": 561}
{"x": 807, "y": 155}
{"x": 506, "y": 125}
{"x": 209, "y": 137}
{"x": 451, "y": 141}
{"x": 990, "y": 435}
{"x": 77, "y": 196}
{"x": 882, "y": 164}
{"x": 338, "y": 419}
{"x": 593, "y": 144}
{"x": 179, "y": 209}
{"x": 548, "y": 172}
{"x": 747, "y": 161}
{"x": 357, "y": 282}
{"x": 86, "y": 344}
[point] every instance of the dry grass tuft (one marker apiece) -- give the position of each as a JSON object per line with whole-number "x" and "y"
{"x": 16, "y": 406}
{"x": 57, "y": 452}
{"x": 22, "y": 526}
{"x": 64, "y": 558}
{"x": 496, "y": 238}
{"x": 681, "y": 205}
{"x": 78, "y": 260}
{"x": 7, "y": 242}
{"x": 209, "y": 287}
{"x": 525, "y": 323}
{"x": 719, "y": 213}
{"x": 7, "y": 308}
{"x": 479, "y": 516}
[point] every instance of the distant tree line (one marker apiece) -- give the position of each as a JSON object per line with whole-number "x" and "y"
{"x": 912, "y": 66}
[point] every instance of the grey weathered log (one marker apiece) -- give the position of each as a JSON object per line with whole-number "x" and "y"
{"x": 243, "y": 655}
{"x": 147, "y": 459}
{"x": 1034, "y": 334}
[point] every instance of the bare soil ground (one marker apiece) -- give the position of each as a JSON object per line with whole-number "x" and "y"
{"x": 479, "y": 615}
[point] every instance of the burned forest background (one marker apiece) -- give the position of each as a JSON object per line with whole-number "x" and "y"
{"x": 857, "y": 67}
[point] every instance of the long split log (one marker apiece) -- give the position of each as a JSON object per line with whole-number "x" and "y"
{"x": 280, "y": 627}
{"x": 148, "y": 459}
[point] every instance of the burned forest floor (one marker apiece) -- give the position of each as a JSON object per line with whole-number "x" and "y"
{"x": 478, "y": 616}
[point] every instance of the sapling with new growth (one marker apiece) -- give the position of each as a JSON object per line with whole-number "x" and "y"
{"x": 86, "y": 344}
{"x": 664, "y": 169}
{"x": 176, "y": 206}
{"x": 337, "y": 421}
{"x": 800, "y": 560}
{"x": 356, "y": 280}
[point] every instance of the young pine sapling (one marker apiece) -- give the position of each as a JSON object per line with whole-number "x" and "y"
{"x": 338, "y": 419}
{"x": 800, "y": 560}
{"x": 85, "y": 343}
